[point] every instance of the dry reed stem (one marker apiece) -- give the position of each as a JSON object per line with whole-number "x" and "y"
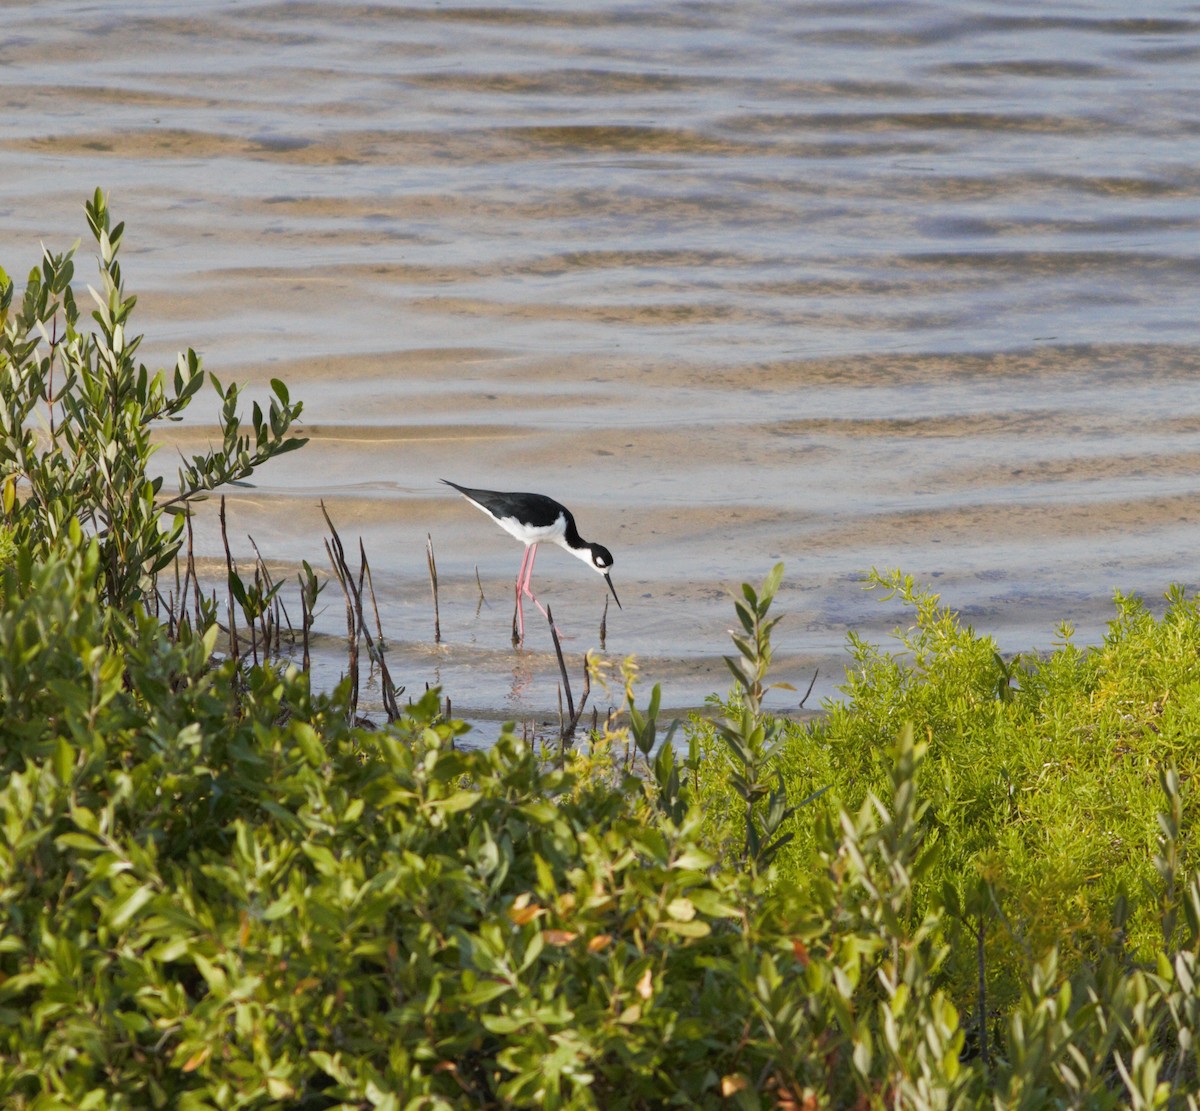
{"x": 306, "y": 619}
{"x": 351, "y": 628}
{"x": 562, "y": 666}
{"x": 191, "y": 571}
{"x": 810, "y": 688}
{"x": 362, "y": 551}
{"x": 433, "y": 584}
{"x": 568, "y": 725}
{"x": 359, "y": 627}
{"x": 233, "y": 637}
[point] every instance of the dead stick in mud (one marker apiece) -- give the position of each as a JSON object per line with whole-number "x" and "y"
{"x": 341, "y": 569}
{"x": 573, "y": 724}
{"x": 260, "y": 571}
{"x": 433, "y": 585}
{"x": 562, "y": 729}
{"x": 191, "y": 570}
{"x": 562, "y": 667}
{"x": 306, "y": 620}
{"x": 391, "y": 704}
{"x": 180, "y": 587}
{"x": 250, "y": 621}
{"x": 362, "y": 551}
{"x": 279, "y": 607}
{"x": 566, "y": 734}
{"x": 351, "y": 626}
{"x": 587, "y": 690}
{"x": 810, "y": 688}
{"x": 358, "y": 590}
{"x": 233, "y": 637}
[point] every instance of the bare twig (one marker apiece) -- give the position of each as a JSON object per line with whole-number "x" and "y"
{"x": 229, "y": 568}
{"x": 570, "y": 723}
{"x": 351, "y": 620}
{"x": 260, "y": 570}
{"x": 562, "y": 730}
{"x": 362, "y": 551}
{"x": 568, "y": 731}
{"x": 306, "y": 620}
{"x": 180, "y": 584}
{"x": 354, "y": 606}
{"x": 258, "y": 585}
{"x": 271, "y": 626}
{"x": 810, "y": 688}
{"x": 191, "y": 570}
{"x": 604, "y": 624}
{"x": 562, "y": 666}
{"x": 433, "y": 584}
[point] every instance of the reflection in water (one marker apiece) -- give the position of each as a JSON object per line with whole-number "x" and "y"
{"x": 523, "y": 672}
{"x": 843, "y": 285}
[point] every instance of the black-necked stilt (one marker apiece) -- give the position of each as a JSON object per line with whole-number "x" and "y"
{"x": 534, "y": 519}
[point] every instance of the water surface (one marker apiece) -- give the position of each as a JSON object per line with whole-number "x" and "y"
{"x": 842, "y": 284}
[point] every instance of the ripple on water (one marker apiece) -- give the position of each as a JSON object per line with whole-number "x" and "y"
{"x": 844, "y": 285}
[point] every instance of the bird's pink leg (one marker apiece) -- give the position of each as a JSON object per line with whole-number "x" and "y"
{"x": 520, "y": 586}
{"x": 529, "y": 581}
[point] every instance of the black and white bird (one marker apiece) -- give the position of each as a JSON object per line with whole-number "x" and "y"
{"x": 535, "y": 519}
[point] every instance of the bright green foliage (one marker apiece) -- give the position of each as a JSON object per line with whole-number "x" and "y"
{"x": 213, "y": 897}
{"x": 1042, "y": 776}
{"x": 8, "y": 547}
{"x": 215, "y": 893}
{"x": 753, "y": 740}
{"x": 77, "y": 413}
{"x": 218, "y": 895}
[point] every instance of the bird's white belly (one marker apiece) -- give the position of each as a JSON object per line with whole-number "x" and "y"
{"x": 528, "y": 535}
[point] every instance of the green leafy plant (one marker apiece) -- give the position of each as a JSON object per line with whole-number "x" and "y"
{"x": 1044, "y": 797}
{"x": 752, "y": 737}
{"x": 217, "y": 892}
{"x": 77, "y": 415}
{"x": 224, "y": 895}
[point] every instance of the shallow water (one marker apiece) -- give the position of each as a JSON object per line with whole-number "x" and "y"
{"x": 842, "y": 284}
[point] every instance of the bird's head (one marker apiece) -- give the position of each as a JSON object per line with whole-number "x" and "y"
{"x": 602, "y": 560}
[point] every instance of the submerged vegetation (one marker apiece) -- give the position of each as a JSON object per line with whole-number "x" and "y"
{"x": 971, "y": 883}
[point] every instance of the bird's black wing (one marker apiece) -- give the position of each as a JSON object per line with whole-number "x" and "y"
{"x": 535, "y": 510}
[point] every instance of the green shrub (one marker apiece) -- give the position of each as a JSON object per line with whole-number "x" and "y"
{"x": 1043, "y": 775}
{"x": 215, "y": 893}
{"x": 218, "y": 894}
{"x": 214, "y": 898}
{"x": 77, "y": 415}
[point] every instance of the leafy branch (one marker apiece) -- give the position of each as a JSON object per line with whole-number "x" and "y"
{"x": 79, "y": 448}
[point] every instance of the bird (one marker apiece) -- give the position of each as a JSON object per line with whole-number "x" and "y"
{"x": 535, "y": 519}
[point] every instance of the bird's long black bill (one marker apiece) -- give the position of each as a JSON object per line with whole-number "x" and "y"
{"x": 613, "y": 589}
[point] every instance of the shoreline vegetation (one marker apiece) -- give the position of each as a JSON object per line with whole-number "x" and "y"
{"x": 971, "y": 882}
